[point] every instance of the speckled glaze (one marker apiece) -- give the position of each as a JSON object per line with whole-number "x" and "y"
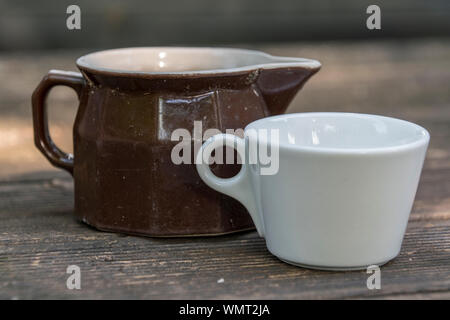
{"x": 125, "y": 180}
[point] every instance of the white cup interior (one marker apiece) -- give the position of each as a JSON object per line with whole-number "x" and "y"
{"x": 342, "y": 131}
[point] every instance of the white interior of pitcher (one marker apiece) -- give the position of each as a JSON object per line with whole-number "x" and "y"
{"x": 186, "y": 60}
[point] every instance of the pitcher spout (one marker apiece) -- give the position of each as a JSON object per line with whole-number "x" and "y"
{"x": 279, "y": 81}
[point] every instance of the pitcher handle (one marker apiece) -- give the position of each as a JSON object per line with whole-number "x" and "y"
{"x": 42, "y": 137}
{"x": 239, "y": 186}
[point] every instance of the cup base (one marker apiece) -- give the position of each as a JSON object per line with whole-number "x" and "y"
{"x": 331, "y": 268}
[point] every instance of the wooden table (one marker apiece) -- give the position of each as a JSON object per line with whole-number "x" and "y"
{"x": 39, "y": 238}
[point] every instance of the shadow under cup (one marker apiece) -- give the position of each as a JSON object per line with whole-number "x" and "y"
{"x": 343, "y": 191}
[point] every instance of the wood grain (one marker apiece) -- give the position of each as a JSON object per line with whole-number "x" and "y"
{"x": 39, "y": 238}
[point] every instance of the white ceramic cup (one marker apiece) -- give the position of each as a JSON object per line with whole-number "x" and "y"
{"x": 343, "y": 192}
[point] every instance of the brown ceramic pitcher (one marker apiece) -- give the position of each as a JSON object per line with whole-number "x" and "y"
{"x": 131, "y": 100}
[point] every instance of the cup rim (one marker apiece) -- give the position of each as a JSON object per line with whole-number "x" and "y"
{"x": 421, "y": 140}
{"x": 273, "y": 62}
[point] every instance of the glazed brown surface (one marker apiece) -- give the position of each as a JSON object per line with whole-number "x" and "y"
{"x": 125, "y": 180}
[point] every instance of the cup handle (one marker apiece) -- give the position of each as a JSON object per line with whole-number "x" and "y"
{"x": 42, "y": 137}
{"x": 239, "y": 186}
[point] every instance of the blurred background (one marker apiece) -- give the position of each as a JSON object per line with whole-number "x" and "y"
{"x": 41, "y": 24}
{"x": 402, "y": 70}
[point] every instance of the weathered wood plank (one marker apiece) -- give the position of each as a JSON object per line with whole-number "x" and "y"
{"x": 114, "y": 266}
{"x": 39, "y": 239}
